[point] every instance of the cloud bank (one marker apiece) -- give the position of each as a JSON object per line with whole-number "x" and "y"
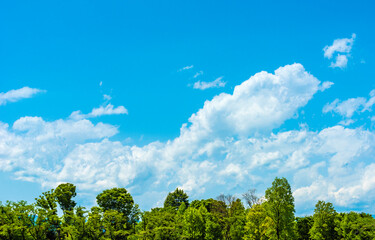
{"x": 229, "y": 145}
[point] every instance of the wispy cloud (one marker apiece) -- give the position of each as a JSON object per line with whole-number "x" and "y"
{"x": 217, "y": 83}
{"x": 18, "y": 94}
{"x": 186, "y": 68}
{"x": 107, "y": 97}
{"x": 343, "y": 46}
{"x": 197, "y": 74}
{"x": 101, "y": 111}
{"x": 350, "y": 106}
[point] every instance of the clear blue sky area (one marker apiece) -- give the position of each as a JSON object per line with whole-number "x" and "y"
{"x": 154, "y": 95}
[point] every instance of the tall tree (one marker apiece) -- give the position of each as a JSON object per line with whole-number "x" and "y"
{"x": 279, "y": 207}
{"x": 64, "y": 193}
{"x": 48, "y": 208}
{"x": 176, "y": 198}
{"x": 324, "y": 222}
{"x": 255, "y": 228}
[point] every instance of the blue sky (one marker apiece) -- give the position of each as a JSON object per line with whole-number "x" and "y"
{"x": 211, "y": 96}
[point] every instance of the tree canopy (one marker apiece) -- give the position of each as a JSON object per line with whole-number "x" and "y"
{"x": 117, "y": 217}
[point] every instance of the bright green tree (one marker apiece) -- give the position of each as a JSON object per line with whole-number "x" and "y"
{"x": 324, "y": 222}
{"x": 194, "y": 223}
{"x": 279, "y": 207}
{"x": 255, "y": 228}
{"x": 355, "y": 226}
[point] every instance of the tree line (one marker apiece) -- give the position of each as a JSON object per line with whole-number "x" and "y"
{"x": 227, "y": 217}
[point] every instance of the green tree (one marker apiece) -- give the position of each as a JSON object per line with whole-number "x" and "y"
{"x": 194, "y": 223}
{"x": 236, "y": 220}
{"x": 279, "y": 207}
{"x": 116, "y": 199}
{"x": 160, "y": 223}
{"x": 324, "y": 222}
{"x": 255, "y": 228}
{"x": 120, "y": 212}
{"x": 48, "y": 208}
{"x": 94, "y": 226}
{"x": 64, "y": 194}
{"x": 176, "y": 198}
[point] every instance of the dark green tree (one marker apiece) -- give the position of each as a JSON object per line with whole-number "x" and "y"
{"x": 176, "y": 198}
{"x": 116, "y": 199}
{"x": 64, "y": 193}
{"x": 303, "y": 226}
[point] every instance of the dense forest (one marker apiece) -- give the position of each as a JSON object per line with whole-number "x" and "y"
{"x": 117, "y": 216}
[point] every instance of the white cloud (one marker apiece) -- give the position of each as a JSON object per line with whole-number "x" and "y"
{"x": 341, "y": 61}
{"x": 18, "y": 94}
{"x": 217, "y": 83}
{"x": 345, "y": 108}
{"x": 101, "y": 111}
{"x": 226, "y": 145}
{"x": 197, "y": 74}
{"x": 186, "y": 68}
{"x": 343, "y": 46}
{"x": 107, "y": 97}
{"x": 325, "y": 85}
{"x": 348, "y": 107}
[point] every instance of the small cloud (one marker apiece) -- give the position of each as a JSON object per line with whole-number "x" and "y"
{"x": 97, "y": 112}
{"x": 346, "y": 122}
{"x": 325, "y": 85}
{"x": 18, "y": 94}
{"x": 198, "y": 74}
{"x": 186, "y": 68}
{"x": 217, "y": 83}
{"x": 341, "y": 61}
{"x": 343, "y": 46}
{"x": 346, "y": 108}
{"x": 101, "y": 83}
{"x": 107, "y": 97}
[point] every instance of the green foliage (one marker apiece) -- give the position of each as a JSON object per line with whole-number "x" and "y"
{"x": 176, "y": 198}
{"x": 64, "y": 194}
{"x": 303, "y": 226}
{"x": 324, "y": 222}
{"x": 279, "y": 207}
{"x": 355, "y": 226}
{"x": 194, "y": 224}
{"x": 255, "y": 228}
{"x": 117, "y": 199}
{"x": 119, "y": 218}
{"x": 160, "y": 223}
